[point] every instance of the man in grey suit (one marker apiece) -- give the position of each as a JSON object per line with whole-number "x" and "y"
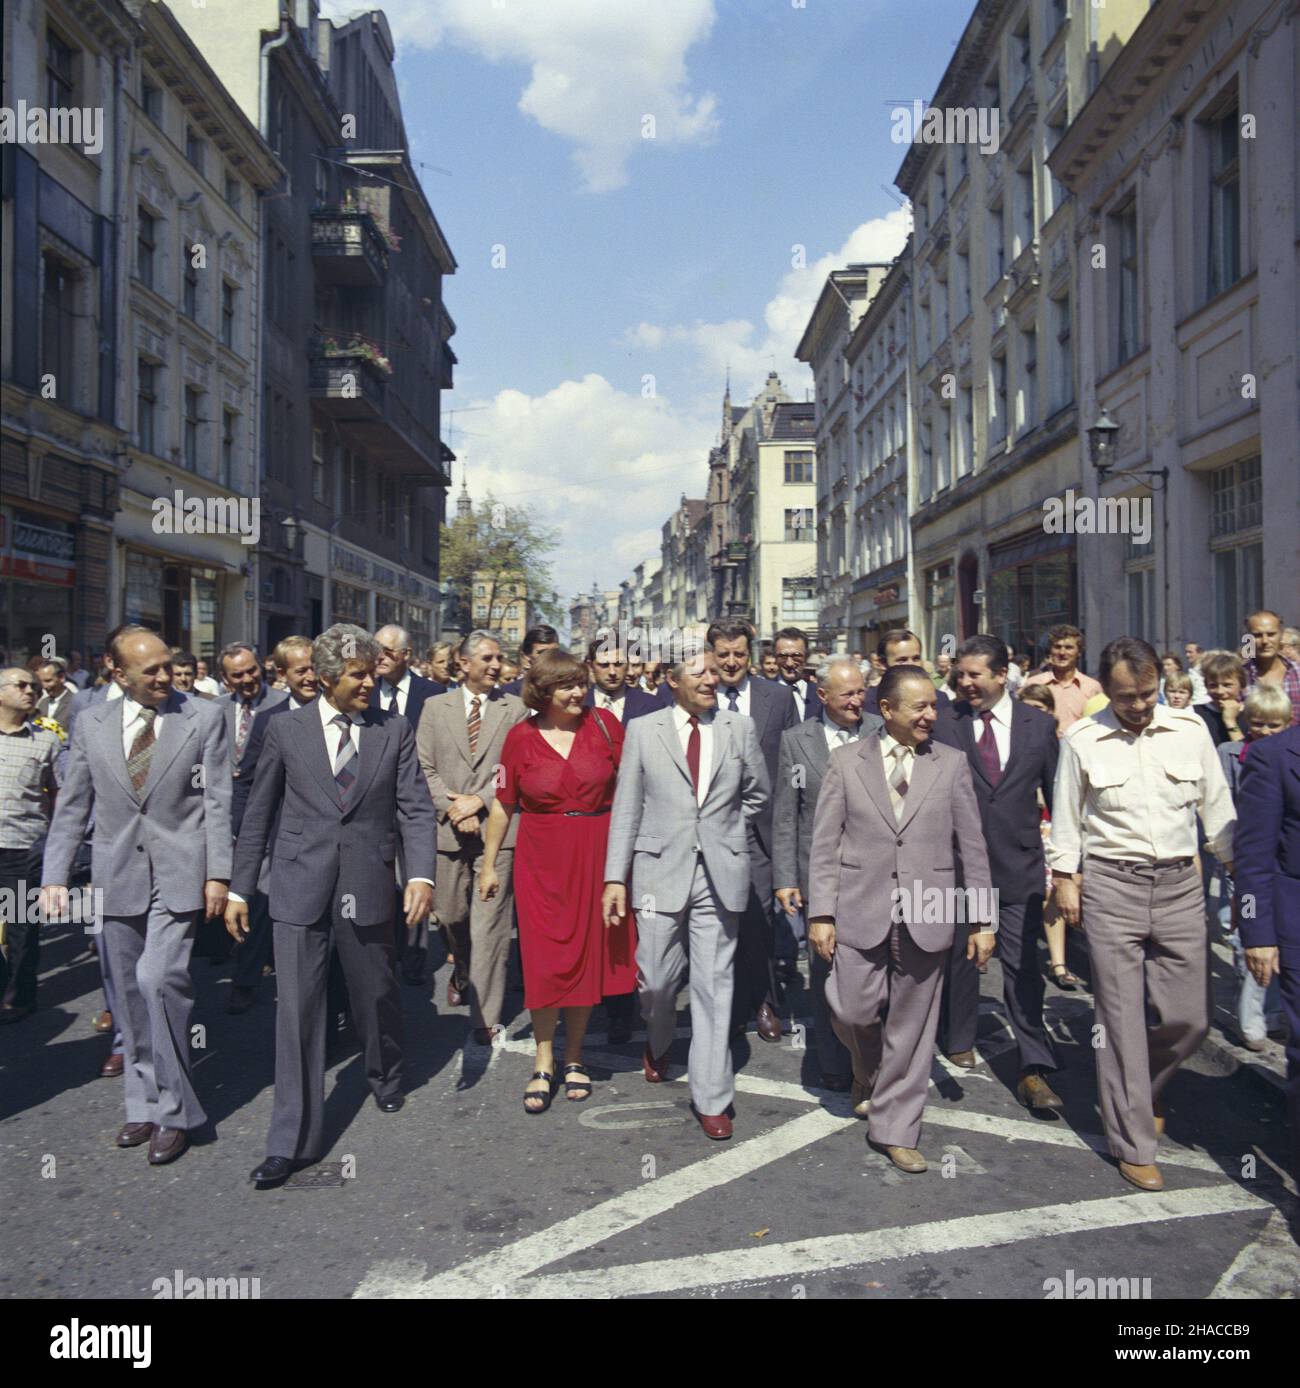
{"x": 902, "y": 802}
{"x": 153, "y": 767}
{"x": 772, "y": 709}
{"x": 805, "y": 750}
{"x": 459, "y": 741}
{"x": 340, "y": 784}
{"x": 247, "y": 699}
{"x": 691, "y": 783}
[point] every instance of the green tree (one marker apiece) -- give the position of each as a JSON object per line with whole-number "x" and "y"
{"x": 499, "y": 546}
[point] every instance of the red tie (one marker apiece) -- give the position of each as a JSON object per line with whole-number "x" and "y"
{"x": 988, "y": 750}
{"x": 693, "y": 753}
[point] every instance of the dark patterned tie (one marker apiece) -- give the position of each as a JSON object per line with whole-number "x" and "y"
{"x": 473, "y": 724}
{"x": 733, "y": 697}
{"x": 137, "y": 764}
{"x": 988, "y": 750}
{"x": 898, "y": 780}
{"x": 241, "y": 729}
{"x": 693, "y": 753}
{"x": 344, "y": 772}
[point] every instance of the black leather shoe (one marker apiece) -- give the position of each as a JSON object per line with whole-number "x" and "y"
{"x": 275, "y": 1171}
{"x": 767, "y": 1023}
{"x": 837, "y": 1084}
{"x": 389, "y": 1103}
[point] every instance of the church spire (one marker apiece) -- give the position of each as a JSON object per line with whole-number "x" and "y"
{"x": 464, "y": 506}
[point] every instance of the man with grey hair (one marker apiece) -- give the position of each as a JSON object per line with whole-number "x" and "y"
{"x": 339, "y": 785}
{"x": 460, "y": 737}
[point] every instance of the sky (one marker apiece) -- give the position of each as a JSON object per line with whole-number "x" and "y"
{"x": 626, "y": 186}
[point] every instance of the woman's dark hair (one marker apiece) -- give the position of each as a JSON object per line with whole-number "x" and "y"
{"x": 1139, "y": 656}
{"x": 550, "y": 669}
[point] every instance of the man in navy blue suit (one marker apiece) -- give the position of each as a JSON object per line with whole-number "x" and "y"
{"x": 398, "y": 689}
{"x": 536, "y": 640}
{"x": 902, "y": 647}
{"x": 607, "y": 670}
{"x": 1266, "y": 871}
{"x": 1012, "y": 751}
{"x": 791, "y": 647}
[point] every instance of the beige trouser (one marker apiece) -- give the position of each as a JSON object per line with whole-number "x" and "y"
{"x": 480, "y": 930}
{"x": 1150, "y": 980}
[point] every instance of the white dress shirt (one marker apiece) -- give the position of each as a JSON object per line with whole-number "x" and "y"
{"x": 681, "y": 721}
{"x": 801, "y": 692}
{"x": 887, "y": 745}
{"x": 1135, "y": 796}
{"x": 839, "y": 737}
{"x": 386, "y": 694}
{"x": 468, "y": 695}
{"x": 742, "y": 693}
{"x": 132, "y": 722}
{"x": 613, "y": 702}
{"x": 1001, "y": 712}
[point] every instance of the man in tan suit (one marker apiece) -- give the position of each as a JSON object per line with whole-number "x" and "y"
{"x": 459, "y": 742}
{"x": 894, "y": 813}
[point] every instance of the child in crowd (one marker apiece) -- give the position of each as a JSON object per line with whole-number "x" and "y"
{"x": 1225, "y": 681}
{"x": 1177, "y": 689}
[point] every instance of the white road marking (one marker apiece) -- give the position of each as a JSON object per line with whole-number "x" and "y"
{"x": 737, "y": 1267}
{"x": 1266, "y": 1268}
{"x": 503, "y": 1267}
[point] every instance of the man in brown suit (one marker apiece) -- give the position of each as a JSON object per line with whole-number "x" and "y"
{"x": 459, "y": 741}
{"x": 895, "y": 812}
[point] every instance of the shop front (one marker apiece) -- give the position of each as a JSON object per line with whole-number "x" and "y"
{"x": 182, "y": 602}
{"x": 37, "y": 585}
{"x": 878, "y": 605}
{"x": 1032, "y": 585}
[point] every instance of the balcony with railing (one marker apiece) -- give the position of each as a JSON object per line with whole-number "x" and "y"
{"x": 348, "y": 247}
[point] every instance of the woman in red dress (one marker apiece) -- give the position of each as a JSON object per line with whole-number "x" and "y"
{"x": 558, "y": 770}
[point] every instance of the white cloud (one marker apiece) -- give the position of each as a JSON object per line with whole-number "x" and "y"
{"x": 752, "y": 351}
{"x": 602, "y": 466}
{"x": 598, "y": 67}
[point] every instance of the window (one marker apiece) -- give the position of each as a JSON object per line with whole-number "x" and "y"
{"x": 151, "y": 100}
{"x": 1063, "y": 369}
{"x": 997, "y": 245}
{"x": 146, "y": 405}
{"x": 146, "y": 242}
{"x": 1027, "y": 395}
{"x": 58, "y": 326}
{"x": 194, "y": 147}
{"x": 1139, "y": 583}
{"x": 232, "y": 193}
{"x": 799, "y": 603}
{"x": 228, "y": 295}
{"x": 1128, "y": 322}
{"x": 228, "y": 418}
{"x": 1055, "y": 16}
{"x": 1024, "y": 207}
{"x": 1236, "y": 512}
{"x": 1020, "y": 52}
{"x": 965, "y": 430}
{"x": 59, "y": 58}
{"x": 799, "y": 523}
{"x": 408, "y": 511}
{"x": 942, "y": 447}
{"x": 940, "y": 608}
{"x": 190, "y": 284}
{"x": 926, "y": 463}
{"x": 1224, "y": 243}
{"x": 959, "y": 159}
{"x": 963, "y": 284}
{"x": 1055, "y": 192}
{"x": 318, "y": 464}
{"x": 798, "y": 465}
{"x": 997, "y": 399}
{"x": 193, "y": 419}
{"x": 993, "y": 91}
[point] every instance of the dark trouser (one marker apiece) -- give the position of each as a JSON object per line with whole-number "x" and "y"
{"x": 253, "y": 952}
{"x": 1289, "y": 978}
{"x": 832, "y": 1057}
{"x": 622, "y": 1007}
{"x": 20, "y": 871}
{"x": 1019, "y": 929}
{"x": 302, "y": 952}
{"x": 412, "y": 941}
{"x": 755, "y": 947}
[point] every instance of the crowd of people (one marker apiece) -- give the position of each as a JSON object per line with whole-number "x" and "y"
{"x": 698, "y": 821}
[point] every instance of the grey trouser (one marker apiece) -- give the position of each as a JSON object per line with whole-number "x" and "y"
{"x": 479, "y": 930}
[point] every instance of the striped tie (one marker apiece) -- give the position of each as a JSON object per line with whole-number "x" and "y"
{"x": 241, "y": 729}
{"x": 137, "y": 764}
{"x": 472, "y": 726}
{"x": 344, "y": 775}
{"x": 898, "y": 780}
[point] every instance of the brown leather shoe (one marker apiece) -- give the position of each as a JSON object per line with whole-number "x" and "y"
{"x": 166, "y": 1145}
{"x": 1158, "y": 1113}
{"x": 654, "y": 1069}
{"x": 1143, "y": 1177}
{"x": 104, "y": 1022}
{"x": 715, "y": 1125}
{"x": 1037, "y": 1095}
{"x": 134, "y": 1134}
{"x": 860, "y": 1098}
{"x": 112, "y": 1067}
{"x": 965, "y": 1059}
{"x": 767, "y": 1023}
{"x": 455, "y": 993}
{"x": 905, "y": 1158}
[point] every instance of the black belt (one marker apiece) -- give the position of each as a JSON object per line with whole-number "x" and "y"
{"x": 1133, "y": 865}
{"x": 568, "y": 814}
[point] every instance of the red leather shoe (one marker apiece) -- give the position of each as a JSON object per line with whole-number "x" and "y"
{"x": 717, "y": 1126}
{"x": 112, "y": 1067}
{"x": 655, "y": 1070}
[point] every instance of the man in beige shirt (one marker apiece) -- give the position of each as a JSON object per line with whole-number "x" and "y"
{"x": 1071, "y": 688}
{"x": 1130, "y": 783}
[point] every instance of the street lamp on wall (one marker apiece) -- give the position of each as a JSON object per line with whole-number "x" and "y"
{"x": 1101, "y": 443}
{"x": 291, "y": 527}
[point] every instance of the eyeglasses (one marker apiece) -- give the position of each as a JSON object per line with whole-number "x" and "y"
{"x": 19, "y": 684}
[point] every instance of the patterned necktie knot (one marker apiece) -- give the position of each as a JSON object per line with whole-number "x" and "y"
{"x": 344, "y": 770}
{"x": 137, "y": 764}
{"x": 733, "y": 698}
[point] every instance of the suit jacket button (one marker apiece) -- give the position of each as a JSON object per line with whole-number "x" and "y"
{"x": 898, "y": 843}
{"x": 139, "y": 848}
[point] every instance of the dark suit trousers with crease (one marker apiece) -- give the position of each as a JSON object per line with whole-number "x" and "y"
{"x": 302, "y": 955}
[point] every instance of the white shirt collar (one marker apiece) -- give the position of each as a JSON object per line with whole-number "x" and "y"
{"x": 469, "y": 694}
{"x": 403, "y": 685}
{"x": 1001, "y": 711}
{"x": 130, "y": 709}
{"x": 328, "y": 713}
{"x": 114, "y": 691}
{"x": 681, "y": 716}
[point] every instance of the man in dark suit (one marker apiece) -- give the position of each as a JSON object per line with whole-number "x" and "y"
{"x": 772, "y": 709}
{"x": 902, "y": 647}
{"x": 247, "y": 698}
{"x": 805, "y": 751}
{"x": 791, "y": 647}
{"x": 536, "y": 640}
{"x": 607, "y": 670}
{"x": 57, "y": 694}
{"x": 398, "y": 689}
{"x": 1012, "y": 751}
{"x": 1266, "y": 869}
{"x": 341, "y": 783}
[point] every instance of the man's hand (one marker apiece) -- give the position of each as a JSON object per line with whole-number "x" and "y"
{"x": 471, "y": 827}
{"x": 417, "y": 901}
{"x": 613, "y": 903}
{"x": 214, "y": 899}
{"x": 464, "y": 807}
{"x": 489, "y": 884}
{"x": 237, "y": 920}
{"x": 54, "y": 903}
{"x": 1262, "y": 963}
{"x": 791, "y": 899}
{"x": 821, "y": 936}
{"x": 1065, "y": 890}
{"x": 979, "y": 946}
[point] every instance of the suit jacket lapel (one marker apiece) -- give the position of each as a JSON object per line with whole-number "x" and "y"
{"x": 369, "y": 746}
{"x": 970, "y": 744}
{"x": 110, "y": 729}
{"x": 871, "y": 770}
{"x": 175, "y": 732}
{"x": 813, "y": 746}
{"x": 668, "y": 736}
{"x": 721, "y": 750}
{"x": 923, "y": 777}
{"x": 317, "y": 750}
{"x": 490, "y": 716}
{"x": 1019, "y": 731}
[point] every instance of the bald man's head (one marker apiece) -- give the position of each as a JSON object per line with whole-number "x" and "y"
{"x": 143, "y": 667}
